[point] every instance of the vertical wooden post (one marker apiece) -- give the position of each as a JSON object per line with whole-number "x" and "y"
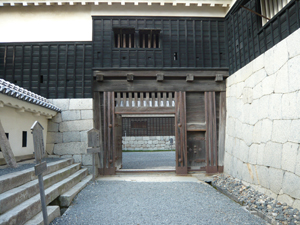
{"x": 222, "y": 127}
{"x": 6, "y": 149}
{"x": 211, "y": 133}
{"x": 180, "y": 133}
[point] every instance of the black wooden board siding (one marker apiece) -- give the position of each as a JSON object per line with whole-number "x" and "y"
{"x": 197, "y": 42}
{"x": 53, "y": 70}
{"x": 247, "y": 39}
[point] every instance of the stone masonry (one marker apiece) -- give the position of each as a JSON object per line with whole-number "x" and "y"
{"x": 67, "y": 131}
{"x": 263, "y": 122}
{"x": 148, "y": 143}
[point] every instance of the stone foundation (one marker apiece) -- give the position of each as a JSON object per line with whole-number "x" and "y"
{"x": 67, "y": 131}
{"x": 263, "y": 122}
{"x": 148, "y": 143}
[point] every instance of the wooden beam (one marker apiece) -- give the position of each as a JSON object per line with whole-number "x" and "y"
{"x": 144, "y": 110}
{"x": 167, "y": 73}
{"x": 154, "y": 86}
{"x": 196, "y": 126}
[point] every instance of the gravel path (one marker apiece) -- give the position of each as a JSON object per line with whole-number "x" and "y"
{"x": 23, "y": 166}
{"x": 148, "y": 160}
{"x": 121, "y": 202}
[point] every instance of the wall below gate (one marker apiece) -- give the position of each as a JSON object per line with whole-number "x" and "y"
{"x": 263, "y": 122}
{"x": 67, "y": 131}
{"x": 148, "y": 143}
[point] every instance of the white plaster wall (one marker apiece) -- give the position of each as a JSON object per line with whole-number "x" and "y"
{"x": 263, "y": 122}
{"x": 74, "y": 23}
{"x": 15, "y": 123}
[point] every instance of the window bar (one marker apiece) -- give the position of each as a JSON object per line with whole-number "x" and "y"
{"x": 275, "y": 6}
{"x": 144, "y": 40}
{"x": 149, "y": 40}
{"x": 129, "y": 40}
{"x": 271, "y": 9}
{"x": 124, "y": 40}
{"x": 267, "y": 9}
{"x": 119, "y": 40}
{"x": 154, "y": 41}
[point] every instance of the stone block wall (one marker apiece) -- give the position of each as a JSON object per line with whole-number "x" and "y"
{"x": 67, "y": 131}
{"x": 263, "y": 122}
{"x": 148, "y": 143}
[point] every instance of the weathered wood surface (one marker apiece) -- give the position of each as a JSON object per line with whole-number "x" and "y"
{"x": 196, "y": 150}
{"x": 211, "y": 133}
{"x": 222, "y": 127}
{"x": 97, "y": 115}
{"x": 38, "y": 141}
{"x": 109, "y": 159}
{"x": 154, "y": 86}
{"x": 180, "y": 133}
{"x": 145, "y": 110}
{"x": 118, "y": 141}
{"x": 6, "y": 149}
{"x": 93, "y": 138}
{"x": 196, "y": 126}
{"x": 166, "y": 73}
{"x": 39, "y": 150}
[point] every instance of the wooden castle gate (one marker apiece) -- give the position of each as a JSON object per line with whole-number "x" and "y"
{"x": 198, "y": 103}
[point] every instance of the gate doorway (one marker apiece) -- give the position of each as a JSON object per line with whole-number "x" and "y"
{"x": 198, "y": 106}
{"x": 148, "y": 143}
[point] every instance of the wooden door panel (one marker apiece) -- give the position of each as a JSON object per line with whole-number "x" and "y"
{"x": 180, "y": 133}
{"x": 118, "y": 141}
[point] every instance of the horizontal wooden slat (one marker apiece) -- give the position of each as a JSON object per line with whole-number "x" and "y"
{"x": 165, "y": 73}
{"x": 196, "y": 126}
{"x": 153, "y": 85}
{"x": 144, "y": 110}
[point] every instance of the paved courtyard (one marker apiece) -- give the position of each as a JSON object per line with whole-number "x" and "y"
{"x": 153, "y": 199}
{"x": 148, "y": 160}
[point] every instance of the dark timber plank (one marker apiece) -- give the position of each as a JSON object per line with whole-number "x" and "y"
{"x": 222, "y": 127}
{"x": 165, "y": 73}
{"x": 152, "y": 85}
{"x": 144, "y": 110}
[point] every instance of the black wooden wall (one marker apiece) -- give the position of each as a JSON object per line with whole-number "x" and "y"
{"x": 247, "y": 38}
{"x": 198, "y": 43}
{"x": 53, "y": 70}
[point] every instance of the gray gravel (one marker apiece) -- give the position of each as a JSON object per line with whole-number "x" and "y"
{"x": 148, "y": 160}
{"x": 121, "y": 202}
{"x": 23, "y": 166}
{"x": 256, "y": 201}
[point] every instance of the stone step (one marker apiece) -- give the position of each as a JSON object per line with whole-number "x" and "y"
{"x": 66, "y": 198}
{"x": 26, "y": 210}
{"x": 12, "y": 180}
{"x": 52, "y": 211}
{"x": 15, "y": 196}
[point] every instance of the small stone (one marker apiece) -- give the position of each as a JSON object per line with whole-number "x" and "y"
{"x": 280, "y": 217}
{"x": 269, "y": 207}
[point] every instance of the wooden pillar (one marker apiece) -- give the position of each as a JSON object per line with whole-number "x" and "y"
{"x": 211, "y": 133}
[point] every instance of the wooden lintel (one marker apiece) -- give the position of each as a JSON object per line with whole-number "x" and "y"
{"x": 130, "y": 77}
{"x": 143, "y": 110}
{"x": 159, "y": 77}
{"x": 219, "y": 77}
{"x": 190, "y": 77}
{"x": 166, "y": 73}
{"x": 153, "y": 85}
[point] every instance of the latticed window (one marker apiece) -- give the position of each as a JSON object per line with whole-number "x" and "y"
{"x": 124, "y": 37}
{"x": 149, "y": 38}
{"x": 270, "y": 8}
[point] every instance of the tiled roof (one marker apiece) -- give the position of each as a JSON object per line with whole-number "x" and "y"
{"x": 15, "y": 91}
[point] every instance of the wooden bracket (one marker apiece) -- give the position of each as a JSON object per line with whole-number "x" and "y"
{"x": 98, "y": 75}
{"x": 130, "y": 77}
{"x": 219, "y": 77}
{"x": 189, "y": 78}
{"x": 159, "y": 77}
{"x": 99, "y": 78}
